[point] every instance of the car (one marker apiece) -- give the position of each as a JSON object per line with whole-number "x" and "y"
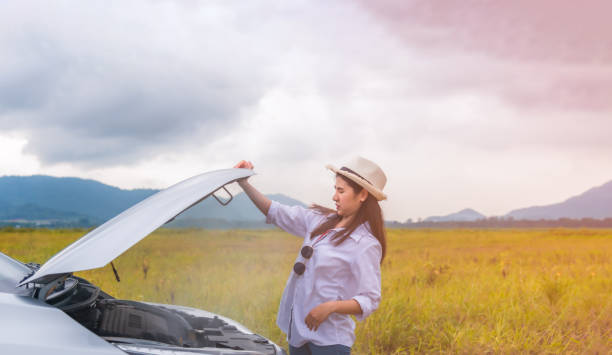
{"x": 45, "y": 309}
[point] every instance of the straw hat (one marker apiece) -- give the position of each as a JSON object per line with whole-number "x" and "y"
{"x": 365, "y": 173}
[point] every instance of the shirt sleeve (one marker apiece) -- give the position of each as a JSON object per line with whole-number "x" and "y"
{"x": 367, "y": 269}
{"x": 292, "y": 219}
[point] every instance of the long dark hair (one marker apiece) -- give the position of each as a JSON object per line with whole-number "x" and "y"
{"x": 369, "y": 211}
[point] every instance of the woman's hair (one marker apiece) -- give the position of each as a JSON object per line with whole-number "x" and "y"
{"x": 369, "y": 211}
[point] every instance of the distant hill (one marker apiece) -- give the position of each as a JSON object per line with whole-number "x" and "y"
{"x": 240, "y": 209}
{"x": 594, "y": 203}
{"x": 467, "y": 214}
{"x": 66, "y": 201}
{"x": 66, "y": 196}
{"x": 240, "y": 213}
{"x": 33, "y": 212}
{"x": 59, "y": 202}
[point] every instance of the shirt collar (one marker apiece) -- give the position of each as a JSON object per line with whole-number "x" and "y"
{"x": 358, "y": 233}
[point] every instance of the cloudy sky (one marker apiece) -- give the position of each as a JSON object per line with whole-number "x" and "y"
{"x": 484, "y": 104}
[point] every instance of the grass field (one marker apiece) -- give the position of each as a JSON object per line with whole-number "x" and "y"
{"x": 444, "y": 291}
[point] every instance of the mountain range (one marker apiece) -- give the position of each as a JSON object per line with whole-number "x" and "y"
{"x": 467, "y": 214}
{"x": 41, "y": 200}
{"x": 66, "y": 201}
{"x": 594, "y": 203}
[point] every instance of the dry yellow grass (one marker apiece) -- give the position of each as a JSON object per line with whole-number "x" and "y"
{"x": 444, "y": 291}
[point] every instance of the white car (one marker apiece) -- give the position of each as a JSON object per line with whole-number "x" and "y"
{"x": 46, "y": 310}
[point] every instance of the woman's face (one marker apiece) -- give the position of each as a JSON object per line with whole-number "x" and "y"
{"x": 347, "y": 201}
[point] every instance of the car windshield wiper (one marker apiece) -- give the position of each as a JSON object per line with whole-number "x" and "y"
{"x": 115, "y": 271}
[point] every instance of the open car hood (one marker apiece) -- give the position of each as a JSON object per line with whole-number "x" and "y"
{"x": 11, "y": 272}
{"x": 103, "y": 244}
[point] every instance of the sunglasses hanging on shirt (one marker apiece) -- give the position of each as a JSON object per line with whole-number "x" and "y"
{"x": 307, "y": 251}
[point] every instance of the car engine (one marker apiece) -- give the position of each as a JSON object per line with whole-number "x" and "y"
{"x": 132, "y": 322}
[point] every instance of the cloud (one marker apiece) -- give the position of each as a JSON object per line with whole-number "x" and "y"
{"x": 547, "y": 30}
{"x": 546, "y": 54}
{"x": 464, "y": 104}
{"x": 103, "y": 83}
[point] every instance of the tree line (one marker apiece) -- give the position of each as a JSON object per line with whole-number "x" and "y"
{"x": 508, "y": 222}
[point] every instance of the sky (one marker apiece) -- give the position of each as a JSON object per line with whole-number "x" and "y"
{"x": 487, "y": 105}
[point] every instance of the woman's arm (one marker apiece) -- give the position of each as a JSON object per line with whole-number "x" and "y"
{"x": 319, "y": 314}
{"x": 367, "y": 268}
{"x": 295, "y": 220}
{"x": 259, "y": 199}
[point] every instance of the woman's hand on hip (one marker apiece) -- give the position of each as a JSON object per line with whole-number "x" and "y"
{"x": 319, "y": 314}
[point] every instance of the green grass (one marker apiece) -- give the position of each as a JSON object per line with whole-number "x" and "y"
{"x": 444, "y": 291}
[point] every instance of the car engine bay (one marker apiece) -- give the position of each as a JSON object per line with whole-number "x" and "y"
{"x": 138, "y": 323}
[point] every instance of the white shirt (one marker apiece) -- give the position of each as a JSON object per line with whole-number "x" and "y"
{"x": 349, "y": 270}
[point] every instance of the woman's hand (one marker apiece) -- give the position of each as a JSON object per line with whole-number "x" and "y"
{"x": 244, "y": 165}
{"x": 319, "y": 314}
{"x": 260, "y": 200}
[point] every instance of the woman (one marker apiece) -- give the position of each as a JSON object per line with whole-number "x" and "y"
{"x": 337, "y": 272}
